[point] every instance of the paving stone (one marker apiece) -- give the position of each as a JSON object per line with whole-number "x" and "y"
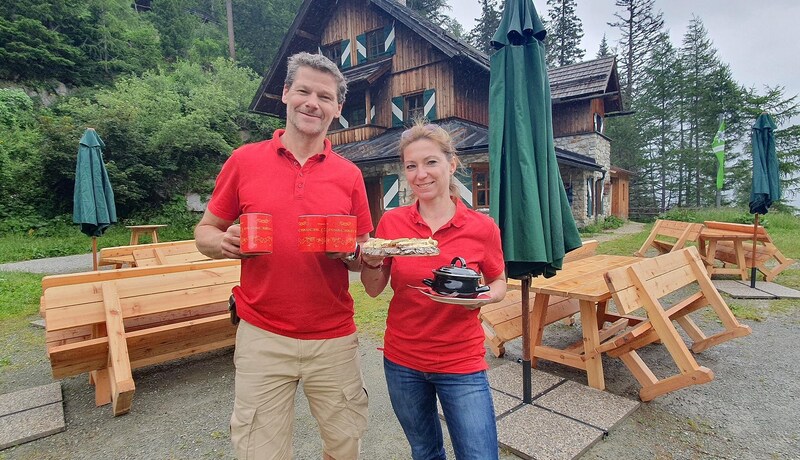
{"x": 38, "y": 323}
{"x": 589, "y": 405}
{"x": 29, "y": 398}
{"x": 503, "y": 403}
{"x": 30, "y": 414}
{"x": 739, "y": 290}
{"x": 508, "y": 379}
{"x": 535, "y": 433}
{"x": 781, "y": 292}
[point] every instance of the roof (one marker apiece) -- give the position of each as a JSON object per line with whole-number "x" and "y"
{"x": 597, "y": 77}
{"x": 590, "y": 79}
{"x": 366, "y": 74}
{"x": 469, "y": 138}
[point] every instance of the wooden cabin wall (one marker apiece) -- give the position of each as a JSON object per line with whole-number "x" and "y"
{"x": 350, "y": 19}
{"x": 598, "y": 107}
{"x": 471, "y": 94}
{"x": 571, "y": 118}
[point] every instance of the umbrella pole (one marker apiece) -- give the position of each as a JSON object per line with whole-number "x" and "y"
{"x": 94, "y": 253}
{"x": 753, "y": 270}
{"x": 526, "y": 340}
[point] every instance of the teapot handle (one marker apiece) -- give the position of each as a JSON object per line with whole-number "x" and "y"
{"x": 459, "y": 259}
{"x": 428, "y": 282}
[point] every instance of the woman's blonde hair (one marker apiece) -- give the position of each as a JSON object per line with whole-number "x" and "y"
{"x": 422, "y": 130}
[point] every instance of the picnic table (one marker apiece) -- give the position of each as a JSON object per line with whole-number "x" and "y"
{"x": 138, "y": 230}
{"x": 583, "y": 280}
{"x": 733, "y": 244}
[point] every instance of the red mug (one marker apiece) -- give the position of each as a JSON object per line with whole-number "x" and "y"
{"x": 312, "y": 230}
{"x": 341, "y": 233}
{"x": 256, "y": 233}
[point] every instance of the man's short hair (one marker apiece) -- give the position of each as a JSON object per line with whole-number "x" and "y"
{"x": 316, "y": 62}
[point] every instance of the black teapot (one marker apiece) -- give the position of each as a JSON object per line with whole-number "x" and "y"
{"x": 452, "y": 280}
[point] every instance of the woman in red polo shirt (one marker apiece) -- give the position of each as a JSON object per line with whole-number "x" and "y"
{"x": 433, "y": 349}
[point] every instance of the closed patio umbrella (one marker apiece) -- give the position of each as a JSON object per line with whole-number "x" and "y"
{"x": 766, "y": 177}
{"x": 93, "y": 200}
{"x": 527, "y": 197}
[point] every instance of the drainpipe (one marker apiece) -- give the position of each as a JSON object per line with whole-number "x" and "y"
{"x": 598, "y": 208}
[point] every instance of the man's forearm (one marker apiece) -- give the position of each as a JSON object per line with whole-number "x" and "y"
{"x": 209, "y": 241}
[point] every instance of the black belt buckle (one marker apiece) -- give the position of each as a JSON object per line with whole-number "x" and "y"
{"x": 232, "y": 310}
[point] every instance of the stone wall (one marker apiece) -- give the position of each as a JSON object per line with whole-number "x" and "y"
{"x": 598, "y": 147}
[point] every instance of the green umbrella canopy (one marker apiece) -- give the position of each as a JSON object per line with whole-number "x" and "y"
{"x": 527, "y": 197}
{"x": 93, "y": 200}
{"x": 766, "y": 178}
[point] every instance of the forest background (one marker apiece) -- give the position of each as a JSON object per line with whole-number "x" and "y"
{"x": 160, "y": 83}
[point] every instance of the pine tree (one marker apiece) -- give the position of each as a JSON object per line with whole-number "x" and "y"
{"x": 481, "y": 36}
{"x": 640, "y": 25}
{"x": 564, "y": 34}
{"x": 702, "y": 66}
{"x": 604, "y": 50}
{"x": 431, "y": 9}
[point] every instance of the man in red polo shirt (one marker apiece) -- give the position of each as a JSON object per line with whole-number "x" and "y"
{"x": 295, "y": 309}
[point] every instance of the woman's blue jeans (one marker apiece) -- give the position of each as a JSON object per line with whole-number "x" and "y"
{"x": 468, "y": 410}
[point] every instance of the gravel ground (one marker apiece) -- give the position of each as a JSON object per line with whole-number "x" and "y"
{"x": 181, "y": 409}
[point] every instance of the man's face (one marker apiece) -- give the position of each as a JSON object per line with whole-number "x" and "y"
{"x": 311, "y": 102}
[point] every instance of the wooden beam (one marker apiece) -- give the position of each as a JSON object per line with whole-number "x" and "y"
{"x": 307, "y": 35}
{"x": 119, "y": 364}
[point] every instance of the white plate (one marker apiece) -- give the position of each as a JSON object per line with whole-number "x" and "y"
{"x": 482, "y": 297}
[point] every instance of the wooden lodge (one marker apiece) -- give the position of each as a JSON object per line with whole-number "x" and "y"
{"x": 400, "y": 66}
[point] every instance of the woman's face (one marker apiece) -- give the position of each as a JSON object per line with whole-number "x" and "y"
{"x": 427, "y": 170}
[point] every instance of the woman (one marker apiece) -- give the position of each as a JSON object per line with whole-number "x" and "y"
{"x": 434, "y": 349}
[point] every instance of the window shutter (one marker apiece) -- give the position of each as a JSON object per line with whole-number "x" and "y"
{"x": 589, "y": 197}
{"x": 371, "y": 116}
{"x": 347, "y": 54}
{"x": 361, "y": 48}
{"x": 397, "y": 111}
{"x": 429, "y": 99}
{"x": 343, "y": 121}
{"x": 388, "y": 44}
{"x": 464, "y": 183}
{"x": 391, "y": 189}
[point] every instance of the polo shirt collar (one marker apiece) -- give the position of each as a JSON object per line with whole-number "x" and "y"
{"x": 282, "y": 150}
{"x": 458, "y": 219}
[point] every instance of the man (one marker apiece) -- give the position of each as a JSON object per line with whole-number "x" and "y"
{"x": 295, "y": 309}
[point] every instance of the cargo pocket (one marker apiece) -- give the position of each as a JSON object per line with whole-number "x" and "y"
{"x": 356, "y": 409}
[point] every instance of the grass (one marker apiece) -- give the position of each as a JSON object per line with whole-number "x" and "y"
{"x": 371, "y": 312}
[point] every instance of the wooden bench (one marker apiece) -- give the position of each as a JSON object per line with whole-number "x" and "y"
{"x": 768, "y": 258}
{"x": 502, "y": 321}
{"x": 120, "y": 256}
{"x": 670, "y": 235}
{"x": 681, "y": 275}
{"x": 109, "y": 325}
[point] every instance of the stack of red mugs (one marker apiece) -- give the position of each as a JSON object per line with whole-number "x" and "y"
{"x": 333, "y": 233}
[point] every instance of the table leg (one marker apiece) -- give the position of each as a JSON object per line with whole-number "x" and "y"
{"x": 591, "y": 340}
{"x": 741, "y": 261}
{"x": 538, "y": 315}
{"x": 711, "y": 255}
{"x": 134, "y": 237}
{"x": 154, "y": 236}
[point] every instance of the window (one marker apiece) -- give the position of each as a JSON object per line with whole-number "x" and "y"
{"x": 376, "y": 43}
{"x": 354, "y": 112}
{"x": 333, "y": 51}
{"x": 414, "y": 108}
{"x": 480, "y": 186}
{"x": 598, "y": 123}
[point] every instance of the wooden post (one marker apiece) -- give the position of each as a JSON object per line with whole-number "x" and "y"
{"x": 753, "y": 270}
{"x": 94, "y": 253}
{"x": 231, "y": 45}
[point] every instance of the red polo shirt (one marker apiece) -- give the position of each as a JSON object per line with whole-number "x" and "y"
{"x": 422, "y": 334}
{"x": 292, "y": 293}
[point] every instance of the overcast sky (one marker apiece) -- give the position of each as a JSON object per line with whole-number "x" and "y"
{"x": 757, "y": 38}
{"x": 753, "y": 36}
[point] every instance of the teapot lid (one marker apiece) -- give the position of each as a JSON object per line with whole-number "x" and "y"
{"x": 463, "y": 271}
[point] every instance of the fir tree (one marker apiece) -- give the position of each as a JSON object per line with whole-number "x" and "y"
{"x": 604, "y": 50}
{"x": 564, "y": 34}
{"x": 640, "y": 25}
{"x": 431, "y": 9}
{"x": 481, "y": 36}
